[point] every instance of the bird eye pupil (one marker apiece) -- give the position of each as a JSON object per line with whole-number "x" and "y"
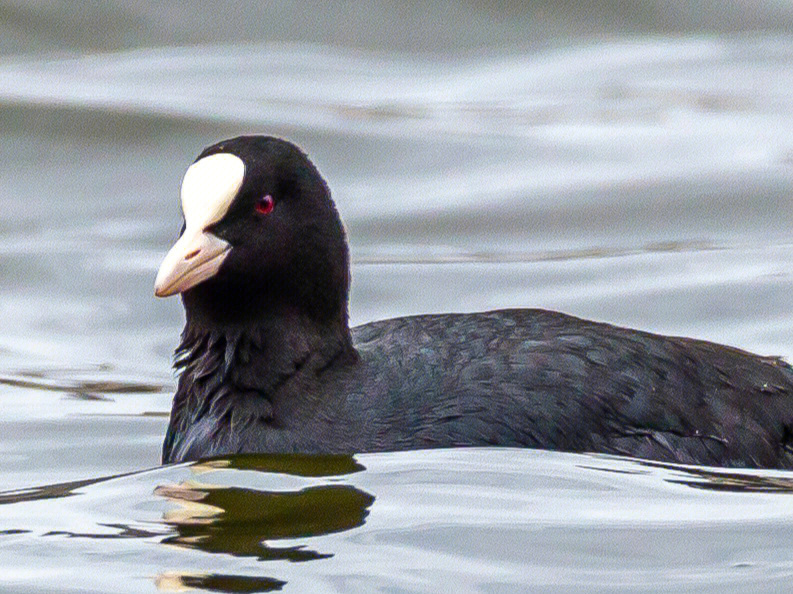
{"x": 265, "y": 204}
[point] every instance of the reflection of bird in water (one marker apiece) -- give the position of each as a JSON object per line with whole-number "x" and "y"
{"x": 173, "y": 581}
{"x": 239, "y": 521}
{"x": 269, "y": 364}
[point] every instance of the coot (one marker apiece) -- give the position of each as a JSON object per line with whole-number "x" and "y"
{"x": 268, "y": 363}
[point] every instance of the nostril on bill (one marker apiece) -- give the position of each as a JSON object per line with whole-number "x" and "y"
{"x": 192, "y": 255}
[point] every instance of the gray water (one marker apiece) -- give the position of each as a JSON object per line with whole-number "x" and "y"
{"x": 627, "y": 162}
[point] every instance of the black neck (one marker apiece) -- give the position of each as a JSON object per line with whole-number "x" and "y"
{"x": 246, "y": 339}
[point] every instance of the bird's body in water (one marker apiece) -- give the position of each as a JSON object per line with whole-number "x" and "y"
{"x": 268, "y": 362}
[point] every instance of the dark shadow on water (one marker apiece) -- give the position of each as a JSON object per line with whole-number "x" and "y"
{"x": 737, "y": 480}
{"x": 237, "y": 521}
{"x": 308, "y": 465}
{"x": 244, "y": 522}
{"x": 55, "y": 491}
{"x": 86, "y": 386}
{"x": 63, "y": 380}
{"x": 218, "y": 583}
{"x": 613, "y": 470}
{"x": 724, "y": 480}
{"x": 124, "y": 531}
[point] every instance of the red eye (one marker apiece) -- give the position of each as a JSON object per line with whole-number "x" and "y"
{"x": 265, "y": 204}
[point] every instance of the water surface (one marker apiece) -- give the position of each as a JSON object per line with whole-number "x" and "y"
{"x": 631, "y": 164}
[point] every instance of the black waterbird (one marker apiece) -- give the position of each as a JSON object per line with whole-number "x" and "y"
{"x": 268, "y": 362}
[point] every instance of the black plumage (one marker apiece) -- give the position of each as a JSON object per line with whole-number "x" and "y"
{"x": 269, "y": 364}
